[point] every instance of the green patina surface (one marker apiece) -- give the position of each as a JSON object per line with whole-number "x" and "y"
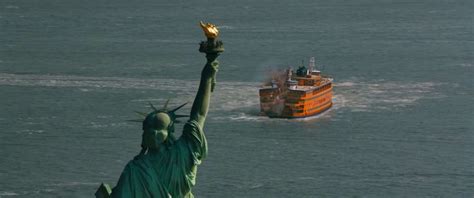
{"x": 166, "y": 166}
{"x": 165, "y": 172}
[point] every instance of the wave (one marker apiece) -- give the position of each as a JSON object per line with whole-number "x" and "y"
{"x": 374, "y": 96}
{"x": 466, "y": 64}
{"x": 12, "y": 7}
{"x": 226, "y": 27}
{"x": 240, "y": 100}
{"x": 5, "y": 193}
{"x": 91, "y": 82}
{"x": 75, "y": 184}
{"x": 31, "y": 131}
{"x": 47, "y": 189}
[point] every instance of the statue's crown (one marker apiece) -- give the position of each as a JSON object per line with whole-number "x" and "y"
{"x": 151, "y": 117}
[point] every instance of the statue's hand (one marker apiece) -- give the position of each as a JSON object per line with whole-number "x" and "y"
{"x": 215, "y": 66}
{"x": 211, "y": 68}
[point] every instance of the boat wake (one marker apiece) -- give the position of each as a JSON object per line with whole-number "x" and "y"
{"x": 380, "y": 95}
{"x": 239, "y": 101}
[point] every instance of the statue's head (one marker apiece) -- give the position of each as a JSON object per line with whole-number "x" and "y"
{"x": 158, "y": 127}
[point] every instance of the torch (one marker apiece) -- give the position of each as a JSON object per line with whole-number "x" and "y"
{"x": 212, "y": 47}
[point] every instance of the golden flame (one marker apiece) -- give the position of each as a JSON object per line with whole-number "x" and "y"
{"x": 210, "y": 30}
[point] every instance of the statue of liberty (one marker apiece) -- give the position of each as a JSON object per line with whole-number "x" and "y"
{"x": 166, "y": 166}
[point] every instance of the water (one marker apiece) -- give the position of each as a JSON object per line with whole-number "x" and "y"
{"x": 72, "y": 72}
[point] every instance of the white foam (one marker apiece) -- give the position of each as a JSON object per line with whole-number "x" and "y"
{"x": 236, "y": 95}
{"x": 5, "y": 193}
{"x": 93, "y": 82}
{"x": 75, "y": 184}
{"x": 255, "y": 186}
{"x": 317, "y": 116}
{"x": 31, "y": 131}
{"x": 466, "y": 64}
{"x": 106, "y": 125}
{"x": 239, "y": 98}
{"x": 247, "y": 117}
{"x": 344, "y": 84}
{"x": 12, "y": 7}
{"x": 226, "y": 27}
{"x": 362, "y": 96}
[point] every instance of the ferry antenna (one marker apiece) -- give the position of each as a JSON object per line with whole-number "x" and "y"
{"x": 312, "y": 64}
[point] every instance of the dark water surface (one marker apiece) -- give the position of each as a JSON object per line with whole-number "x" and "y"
{"x": 72, "y": 72}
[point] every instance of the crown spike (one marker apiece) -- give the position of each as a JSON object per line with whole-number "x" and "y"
{"x": 153, "y": 107}
{"x": 175, "y": 109}
{"x": 141, "y": 114}
{"x": 166, "y": 104}
{"x": 135, "y": 120}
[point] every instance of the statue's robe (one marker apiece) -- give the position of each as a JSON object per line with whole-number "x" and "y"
{"x": 166, "y": 172}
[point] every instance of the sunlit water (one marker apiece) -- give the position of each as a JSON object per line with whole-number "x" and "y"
{"x": 73, "y": 72}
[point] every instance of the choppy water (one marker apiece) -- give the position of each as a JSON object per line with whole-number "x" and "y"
{"x": 72, "y": 72}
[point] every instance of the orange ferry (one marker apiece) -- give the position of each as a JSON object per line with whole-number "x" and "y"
{"x": 297, "y": 94}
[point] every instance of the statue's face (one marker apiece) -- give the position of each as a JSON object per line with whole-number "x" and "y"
{"x": 157, "y": 132}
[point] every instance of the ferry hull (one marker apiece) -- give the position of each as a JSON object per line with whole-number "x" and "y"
{"x": 299, "y": 94}
{"x": 296, "y": 104}
{"x": 305, "y": 116}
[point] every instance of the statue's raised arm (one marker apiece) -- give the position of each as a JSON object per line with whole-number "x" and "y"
{"x": 166, "y": 166}
{"x": 212, "y": 48}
